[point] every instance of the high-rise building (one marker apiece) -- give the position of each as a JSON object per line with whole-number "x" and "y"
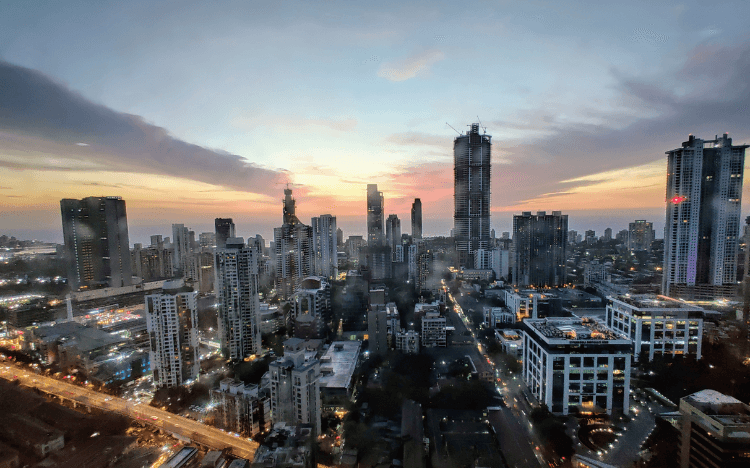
{"x": 416, "y": 219}
{"x": 393, "y": 232}
{"x": 182, "y": 249}
{"x": 375, "y": 231}
{"x": 704, "y": 191}
{"x": 713, "y": 430}
{"x": 290, "y": 208}
{"x": 293, "y": 249}
{"x": 471, "y": 154}
{"x": 236, "y": 276}
{"x": 607, "y": 235}
{"x": 640, "y": 235}
{"x": 172, "y": 324}
{"x": 97, "y": 250}
{"x": 295, "y": 387}
{"x": 224, "y": 228}
{"x": 539, "y": 243}
{"x": 339, "y": 237}
{"x": 324, "y": 246}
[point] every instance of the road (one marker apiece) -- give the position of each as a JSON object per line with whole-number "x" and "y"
{"x": 517, "y": 441}
{"x": 195, "y": 431}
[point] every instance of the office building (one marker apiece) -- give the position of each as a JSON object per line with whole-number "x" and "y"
{"x": 572, "y": 364}
{"x": 375, "y": 228}
{"x": 324, "y": 246}
{"x": 224, "y": 228}
{"x": 640, "y": 235}
{"x": 392, "y": 232}
{"x": 416, "y": 219}
{"x": 236, "y": 288}
{"x": 295, "y": 387}
{"x": 172, "y": 324}
{"x": 471, "y": 221}
{"x": 657, "y": 325}
{"x": 97, "y": 249}
{"x": 540, "y": 243}
{"x": 714, "y": 431}
{"x": 704, "y": 192}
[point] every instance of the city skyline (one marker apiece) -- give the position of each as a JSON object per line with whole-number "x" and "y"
{"x": 364, "y": 101}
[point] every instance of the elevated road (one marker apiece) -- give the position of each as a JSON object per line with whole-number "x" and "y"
{"x": 184, "y": 427}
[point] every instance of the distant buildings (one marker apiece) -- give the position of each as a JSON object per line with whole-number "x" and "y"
{"x": 245, "y": 409}
{"x": 324, "y": 244}
{"x": 540, "y": 243}
{"x": 312, "y": 300}
{"x": 657, "y": 325}
{"x": 295, "y": 387}
{"x": 237, "y": 295}
{"x": 594, "y": 378}
{"x": 714, "y": 430}
{"x": 97, "y": 250}
{"x": 497, "y": 316}
{"x": 416, "y": 219}
{"x": 704, "y": 191}
{"x": 640, "y": 235}
{"x": 172, "y": 324}
{"x": 471, "y": 155}
{"x": 375, "y": 228}
{"x": 393, "y": 232}
{"x": 224, "y": 230}
{"x": 293, "y": 250}
{"x": 182, "y": 245}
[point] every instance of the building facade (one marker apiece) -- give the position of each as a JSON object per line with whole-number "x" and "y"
{"x": 295, "y": 387}
{"x": 224, "y": 228}
{"x": 471, "y": 220}
{"x": 416, "y": 219}
{"x": 704, "y": 192}
{"x": 240, "y": 408}
{"x": 574, "y": 364}
{"x": 640, "y": 235}
{"x": 375, "y": 227}
{"x": 325, "y": 252}
{"x": 172, "y": 325}
{"x": 97, "y": 249}
{"x": 434, "y": 332}
{"x": 393, "y": 233}
{"x": 540, "y": 243}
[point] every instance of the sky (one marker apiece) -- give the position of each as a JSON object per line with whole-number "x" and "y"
{"x": 197, "y": 110}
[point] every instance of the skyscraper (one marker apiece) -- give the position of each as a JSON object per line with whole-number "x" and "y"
{"x": 392, "y": 232}
{"x": 640, "y": 235}
{"x": 97, "y": 250}
{"x": 182, "y": 249}
{"x": 375, "y": 234}
{"x": 293, "y": 249}
{"x": 416, "y": 219}
{"x": 704, "y": 191}
{"x": 539, "y": 243}
{"x": 172, "y": 324}
{"x": 324, "y": 246}
{"x": 224, "y": 230}
{"x": 471, "y": 154}
{"x": 237, "y": 293}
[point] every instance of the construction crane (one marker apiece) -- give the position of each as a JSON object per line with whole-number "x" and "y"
{"x": 451, "y": 126}
{"x": 480, "y": 124}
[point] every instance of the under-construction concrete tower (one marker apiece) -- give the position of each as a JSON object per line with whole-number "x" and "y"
{"x": 471, "y": 221}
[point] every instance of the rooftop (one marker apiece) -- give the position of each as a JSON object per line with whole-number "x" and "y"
{"x": 653, "y": 301}
{"x": 85, "y": 338}
{"x": 338, "y": 364}
{"x": 571, "y": 329}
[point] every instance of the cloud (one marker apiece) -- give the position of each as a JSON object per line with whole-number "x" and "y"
{"x": 42, "y": 125}
{"x": 277, "y": 121}
{"x": 418, "y": 139}
{"x": 411, "y": 66}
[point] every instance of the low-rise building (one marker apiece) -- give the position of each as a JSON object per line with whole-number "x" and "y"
{"x": 407, "y": 341}
{"x": 434, "y": 333}
{"x": 286, "y": 447}
{"x": 337, "y": 368}
{"x": 496, "y": 316}
{"x": 245, "y": 409}
{"x": 511, "y": 341}
{"x": 715, "y": 430}
{"x": 271, "y": 318}
{"x": 657, "y": 324}
{"x": 573, "y": 364}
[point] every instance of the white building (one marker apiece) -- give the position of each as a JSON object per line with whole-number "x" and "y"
{"x": 295, "y": 387}
{"x": 239, "y": 304}
{"x": 325, "y": 251}
{"x": 434, "y": 330}
{"x": 523, "y": 304}
{"x": 511, "y": 341}
{"x": 497, "y": 260}
{"x": 337, "y": 368}
{"x": 172, "y": 324}
{"x": 657, "y": 324}
{"x": 407, "y": 341}
{"x": 571, "y": 363}
{"x": 494, "y": 316}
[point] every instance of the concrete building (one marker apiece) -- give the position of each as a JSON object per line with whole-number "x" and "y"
{"x": 640, "y": 235}
{"x": 416, "y": 219}
{"x": 393, "y": 233}
{"x": 714, "y": 431}
{"x": 97, "y": 249}
{"x": 337, "y": 366}
{"x": 153, "y": 262}
{"x": 224, "y": 228}
{"x": 407, "y": 341}
{"x": 295, "y": 387}
{"x": 375, "y": 210}
{"x": 377, "y": 331}
{"x": 511, "y": 340}
{"x": 182, "y": 247}
{"x": 497, "y": 316}
{"x": 497, "y": 260}
{"x": 313, "y": 298}
{"x": 594, "y": 272}
{"x": 286, "y": 446}
{"x": 434, "y": 332}
{"x": 471, "y": 220}
{"x": 324, "y": 243}
{"x": 540, "y": 243}
{"x": 704, "y": 192}
{"x": 573, "y": 364}
{"x": 240, "y": 408}
{"x": 657, "y": 324}
{"x": 172, "y": 324}
{"x": 271, "y": 318}
{"x": 237, "y": 294}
